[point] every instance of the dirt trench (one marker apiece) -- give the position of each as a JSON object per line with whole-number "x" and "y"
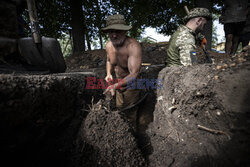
{"x": 40, "y": 116}
{"x": 47, "y": 120}
{"x": 200, "y": 117}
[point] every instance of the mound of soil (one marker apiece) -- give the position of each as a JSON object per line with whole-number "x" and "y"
{"x": 86, "y": 60}
{"x": 151, "y": 53}
{"x": 154, "y": 53}
{"x": 111, "y": 139}
{"x": 202, "y": 116}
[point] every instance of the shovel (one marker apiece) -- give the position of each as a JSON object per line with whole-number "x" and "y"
{"x": 208, "y": 58}
{"x": 41, "y": 52}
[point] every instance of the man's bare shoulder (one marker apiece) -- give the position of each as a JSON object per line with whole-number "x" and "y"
{"x": 134, "y": 48}
{"x": 109, "y": 45}
{"x": 131, "y": 42}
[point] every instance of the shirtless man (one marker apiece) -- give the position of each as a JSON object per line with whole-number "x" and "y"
{"x": 124, "y": 58}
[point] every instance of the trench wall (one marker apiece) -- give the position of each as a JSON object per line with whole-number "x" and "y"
{"x": 40, "y": 116}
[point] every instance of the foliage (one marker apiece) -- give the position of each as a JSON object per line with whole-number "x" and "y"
{"x": 54, "y": 17}
{"x": 66, "y": 45}
{"x": 148, "y": 40}
{"x": 164, "y": 15}
{"x": 214, "y": 34}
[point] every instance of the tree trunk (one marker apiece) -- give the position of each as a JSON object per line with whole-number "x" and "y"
{"x": 88, "y": 41}
{"x": 77, "y": 26}
{"x": 100, "y": 38}
{"x": 99, "y": 17}
{"x": 208, "y": 28}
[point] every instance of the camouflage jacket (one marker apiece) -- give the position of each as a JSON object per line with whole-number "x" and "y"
{"x": 181, "y": 47}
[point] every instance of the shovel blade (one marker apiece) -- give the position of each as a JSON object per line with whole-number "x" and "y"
{"x": 49, "y": 56}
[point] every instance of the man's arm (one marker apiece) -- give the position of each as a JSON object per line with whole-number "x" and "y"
{"x": 186, "y": 48}
{"x": 109, "y": 67}
{"x": 185, "y": 54}
{"x": 134, "y": 64}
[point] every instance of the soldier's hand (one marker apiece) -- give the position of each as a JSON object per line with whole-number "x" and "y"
{"x": 203, "y": 42}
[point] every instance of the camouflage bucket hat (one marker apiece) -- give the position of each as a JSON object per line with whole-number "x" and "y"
{"x": 198, "y": 12}
{"x": 116, "y": 22}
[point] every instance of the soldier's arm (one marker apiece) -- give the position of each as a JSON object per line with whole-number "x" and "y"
{"x": 185, "y": 51}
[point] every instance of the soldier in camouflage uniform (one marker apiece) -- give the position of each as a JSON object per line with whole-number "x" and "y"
{"x": 182, "y": 45}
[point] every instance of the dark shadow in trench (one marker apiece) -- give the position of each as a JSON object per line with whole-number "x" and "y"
{"x": 145, "y": 115}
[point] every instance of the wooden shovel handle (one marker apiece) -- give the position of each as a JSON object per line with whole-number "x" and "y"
{"x": 34, "y": 21}
{"x": 186, "y": 9}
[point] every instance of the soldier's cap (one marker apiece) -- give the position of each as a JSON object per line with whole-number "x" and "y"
{"x": 198, "y": 12}
{"x": 116, "y": 22}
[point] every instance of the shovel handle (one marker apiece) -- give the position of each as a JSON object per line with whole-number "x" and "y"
{"x": 34, "y": 21}
{"x": 208, "y": 58}
{"x": 186, "y": 9}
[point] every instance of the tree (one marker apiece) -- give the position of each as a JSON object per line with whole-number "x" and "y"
{"x": 208, "y": 28}
{"x": 87, "y": 19}
{"x": 214, "y": 34}
{"x": 77, "y": 25}
{"x": 53, "y": 16}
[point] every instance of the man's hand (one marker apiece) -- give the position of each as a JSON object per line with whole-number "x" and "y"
{"x": 110, "y": 89}
{"x": 203, "y": 42}
{"x": 109, "y": 78}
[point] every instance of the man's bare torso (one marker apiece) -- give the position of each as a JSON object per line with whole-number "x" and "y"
{"x": 118, "y": 58}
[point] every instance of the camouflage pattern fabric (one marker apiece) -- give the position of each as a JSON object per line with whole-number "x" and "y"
{"x": 198, "y": 12}
{"x": 181, "y": 47}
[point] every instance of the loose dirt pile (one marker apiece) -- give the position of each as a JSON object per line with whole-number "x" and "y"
{"x": 151, "y": 53}
{"x": 202, "y": 116}
{"x": 86, "y": 60}
{"x": 111, "y": 138}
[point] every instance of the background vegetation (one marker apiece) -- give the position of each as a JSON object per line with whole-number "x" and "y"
{"x": 77, "y": 23}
